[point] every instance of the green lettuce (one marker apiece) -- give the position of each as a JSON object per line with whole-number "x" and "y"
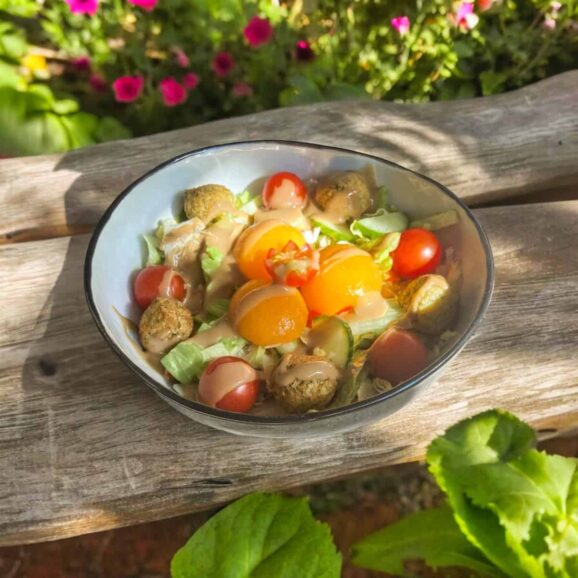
{"x": 154, "y": 256}
{"x": 211, "y": 260}
{"x": 260, "y": 536}
{"x": 430, "y": 535}
{"x": 187, "y": 360}
{"x": 248, "y": 203}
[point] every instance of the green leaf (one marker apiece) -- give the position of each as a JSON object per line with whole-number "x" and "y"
{"x": 211, "y": 260}
{"x": 153, "y": 255}
{"x": 23, "y": 8}
{"x": 492, "y": 82}
{"x": 379, "y": 224}
{"x": 431, "y": 535}
{"x": 260, "y": 536}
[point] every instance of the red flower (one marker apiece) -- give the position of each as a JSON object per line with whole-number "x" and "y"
{"x": 303, "y": 51}
{"x": 81, "y": 64}
{"x": 223, "y": 63}
{"x": 97, "y": 83}
{"x": 147, "y": 5}
{"x": 128, "y": 88}
{"x": 181, "y": 58}
{"x": 258, "y": 31}
{"x": 173, "y": 92}
{"x": 241, "y": 89}
{"x": 190, "y": 80}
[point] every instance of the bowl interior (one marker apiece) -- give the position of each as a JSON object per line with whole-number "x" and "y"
{"x": 118, "y": 249}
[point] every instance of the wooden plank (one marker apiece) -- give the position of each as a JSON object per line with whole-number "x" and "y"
{"x": 484, "y": 149}
{"x": 85, "y": 446}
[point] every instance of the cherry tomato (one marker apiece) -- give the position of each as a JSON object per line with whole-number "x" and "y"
{"x": 158, "y": 281}
{"x": 292, "y": 265}
{"x": 419, "y": 252}
{"x": 214, "y": 385}
{"x": 284, "y": 191}
{"x": 397, "y": 355}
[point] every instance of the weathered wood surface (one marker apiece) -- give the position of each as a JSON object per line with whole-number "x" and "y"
{"x": 484, "y": 149}
{"x": 84, "y": 446}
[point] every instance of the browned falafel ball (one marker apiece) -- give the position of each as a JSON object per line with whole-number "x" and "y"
{"x": 347, "y": 194}
{"x": 164, "y": 323}
{"x": 208, "y": 202}
{"x": 303, "y": 382}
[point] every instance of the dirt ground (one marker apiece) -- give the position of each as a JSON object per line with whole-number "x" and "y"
{"x": 353, "y": 508}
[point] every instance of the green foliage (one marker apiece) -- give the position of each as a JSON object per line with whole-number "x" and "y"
{"x": 260, "y": 536}
{"x": 357, "y": 53}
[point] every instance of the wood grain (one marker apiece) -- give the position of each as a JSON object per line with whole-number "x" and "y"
{"x": 85, "y": 446}
{"x": 484, "y": 149}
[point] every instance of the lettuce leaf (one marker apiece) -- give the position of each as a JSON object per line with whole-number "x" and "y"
{"x": 211, "y": 260}
{"x": 154, "y": 256}
{"x": 430, "y": 535}
{"x": 248, "y": 203}
{"x": 187, "y": 360}
{"x": 260, "y": 536}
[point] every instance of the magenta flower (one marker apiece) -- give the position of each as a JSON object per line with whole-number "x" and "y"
{"x": 173, "y": 92}
{"x": 128, "y": 88}
{"x": 147, "y": 5}
{"x": 241, "y": 89}
{"x": 465, "y": 16}
{"x": 223, "y": 63}
{"x": 97, "y": 83}
{"x": 190, "y": 80}
{"x": 258, "y": 31}
{"x": 549, "y": 23}
{"x": 81, "y": 64}
{"x": 555, "y": 6}
{"x": 181, "y": 58}
{"x": 303, "y": 51}
{"x": 83, "y": 6}
{"x": 401, "y": 24}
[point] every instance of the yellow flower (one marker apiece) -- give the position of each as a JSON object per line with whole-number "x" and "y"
{"x": 35, "y": 63}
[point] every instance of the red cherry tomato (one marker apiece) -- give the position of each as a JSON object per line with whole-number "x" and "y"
{"x": 158, "y": 281}
{"x": 214, "y": 385}
{"x": 419, "y": 252}
{"x": 284, "y": 191}
{"x": 292, "y": 265}
{"x": 397, "y": 355}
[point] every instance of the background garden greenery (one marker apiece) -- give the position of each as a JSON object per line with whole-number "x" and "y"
{"x": 59, "y": 59}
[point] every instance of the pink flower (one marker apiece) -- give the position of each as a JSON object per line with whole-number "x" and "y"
{"x": 303, "y": 51}
{"x": 555, "y": 6}
{"x": 97, "y": 82}
{"x": 241, "y": 89}
{"x": 190, "y": 80}
{"x": 81, "y": 64}
{"x": 173, "y": 92}
{"x": 83, "y": 6}
{"x": 465, "y": 16}
{"x": 128, "y": 88}
{"x": 147, "y": 5}
{"x": 549, "y": 23}
{"x": 181, "y": 58}
{"x": 401, "y": 24}
{"x": 258, "y": 31}
{"x": 223, "y": 63}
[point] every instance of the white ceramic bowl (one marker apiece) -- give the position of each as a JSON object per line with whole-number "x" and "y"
{"x": 115, "y": 252}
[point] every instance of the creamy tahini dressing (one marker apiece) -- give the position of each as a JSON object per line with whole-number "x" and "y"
{"x": 218, "y": 332}
{"x": 370, "y": 305}
{"x": 255, "y": 232}
{"x": 293, "y": 217}
{"x": 307, "y": 371}
{"x": 225, "y": 378}
{"x": 182, "y": 245}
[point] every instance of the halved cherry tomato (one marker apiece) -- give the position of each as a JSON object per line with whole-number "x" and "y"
{"x": 219, "y": 374}
{"x": 292, "y": 265}
{"x": 397, "y": 355}
{"x": 419, "y": 252}
{"x": 284, "y": 191}
{"x": 158, "y": 281}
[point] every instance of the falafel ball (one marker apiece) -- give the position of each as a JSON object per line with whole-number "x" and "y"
{"x": 303, "y": 382}
{"x": 208, "y": 202}
{"x": 430, "y": 302}
{"x": 346, "y": 194}
{"x": 164, "y": 323}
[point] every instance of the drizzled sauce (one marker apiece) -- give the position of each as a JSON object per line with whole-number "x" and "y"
{"x": 371, "y": 305}
{"x": 314, "y": 370}
{"x": 293, "y": 217}
{"x": 225, "y": 378}
{"x": 220, "y": 331}
{"x": 258, "y": 295}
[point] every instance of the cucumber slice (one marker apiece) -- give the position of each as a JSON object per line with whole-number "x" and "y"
{"x": 334, "y": 337}
{"x": 373, "y": 327}
{"x": 332, "y": 230}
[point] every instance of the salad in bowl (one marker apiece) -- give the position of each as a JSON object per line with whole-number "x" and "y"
{"x": 260, "y": 285}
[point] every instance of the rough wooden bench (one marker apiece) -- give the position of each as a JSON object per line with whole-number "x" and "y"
{"x": 84, "y": 446}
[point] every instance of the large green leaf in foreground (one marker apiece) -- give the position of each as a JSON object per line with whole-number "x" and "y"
{"x": 260, "y": 536}
{"x": 432, "y": 536}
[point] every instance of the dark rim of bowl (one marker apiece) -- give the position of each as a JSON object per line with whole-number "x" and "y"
{"x": 164, "y": 391}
